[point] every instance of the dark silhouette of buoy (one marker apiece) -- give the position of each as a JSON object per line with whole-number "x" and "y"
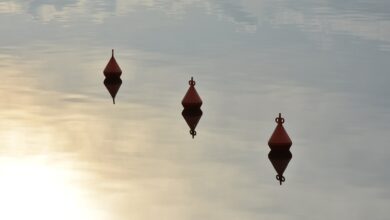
{"x": 191, "y": 99}
{"x": 280, "y": 160}
{"x": 192, "y": 117}
{"x": 112, "y": 69}
{"x": 113, "y": 84}
{"x": 279, "y": 139}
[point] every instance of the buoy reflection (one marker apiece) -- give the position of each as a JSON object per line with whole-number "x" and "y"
{"x": 113, "y": 84}
{"x": 280, "y": 160}
{"x": 192, "y": 117}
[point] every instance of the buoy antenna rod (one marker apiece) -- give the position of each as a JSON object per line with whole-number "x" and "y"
{"x": 279, "y": 119}
{"x": 191, "y": 82}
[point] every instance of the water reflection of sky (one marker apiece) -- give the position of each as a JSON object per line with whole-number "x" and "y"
{"x": 322, "y": 64}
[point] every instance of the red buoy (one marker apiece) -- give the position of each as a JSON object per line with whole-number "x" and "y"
{"x": 112, "y": 69}
{"x": 279, "y": 139}
{"x": 192, "y": 117}
{"x": 191, "y": 100}
{"x": 280, "y": 160}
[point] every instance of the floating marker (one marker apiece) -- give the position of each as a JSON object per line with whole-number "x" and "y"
{"x": 191, "y": 99}
{"x": 112, "y": 69}
{"x": 279, "y": 139}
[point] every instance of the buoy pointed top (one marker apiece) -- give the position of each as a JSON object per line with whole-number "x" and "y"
{"x": 112, "y": 52}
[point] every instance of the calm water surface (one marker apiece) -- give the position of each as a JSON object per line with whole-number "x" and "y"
{"x": 66, "y": 152}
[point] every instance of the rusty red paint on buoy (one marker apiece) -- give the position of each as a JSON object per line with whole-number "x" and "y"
{"x": 192, "y": 117}
{"x": 279, "y": 139}
{"x": 113, "y": 84}
{"x": 191, "y": 99}
{"x": 280, "y": 160}
{"x": 112, "y": 69}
